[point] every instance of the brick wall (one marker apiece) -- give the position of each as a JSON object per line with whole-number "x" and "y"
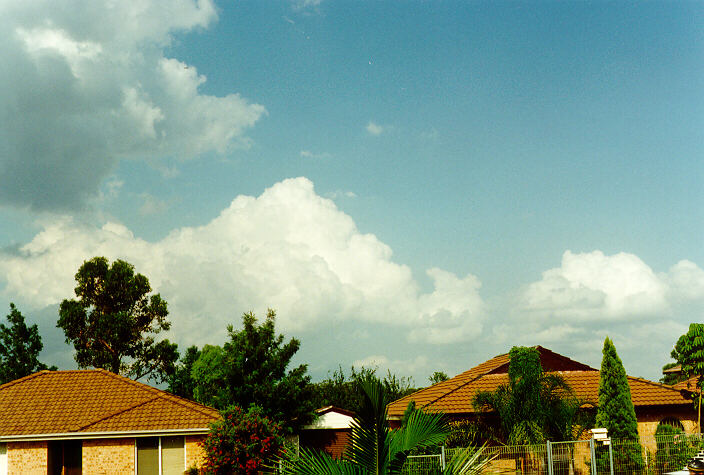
{"x": 332, "y": 441}
{"x": 30, "y": 458}
{"x": 194, "y": 452}
{"x": 103, "y": 456}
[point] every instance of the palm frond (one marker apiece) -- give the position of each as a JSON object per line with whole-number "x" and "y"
{"x": 312, "y": 462}
{"x": 470, "y": 461}
{"x": 368, "y": 440}
{"x": 422, "y": 429}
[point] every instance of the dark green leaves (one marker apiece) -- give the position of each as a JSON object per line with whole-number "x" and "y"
{"x": 19, "y": 348}
{"x": 252, "y": 368}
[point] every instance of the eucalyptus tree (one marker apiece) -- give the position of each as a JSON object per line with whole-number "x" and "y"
{"x": 113, "y": 323}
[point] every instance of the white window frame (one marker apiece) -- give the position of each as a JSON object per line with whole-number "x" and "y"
{"x": 158, "y": 437}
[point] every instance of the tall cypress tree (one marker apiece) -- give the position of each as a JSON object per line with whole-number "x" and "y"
{"x": 616, "y": 412}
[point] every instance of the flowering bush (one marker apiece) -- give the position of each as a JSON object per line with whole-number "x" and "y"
{"x": 242, "y": 442}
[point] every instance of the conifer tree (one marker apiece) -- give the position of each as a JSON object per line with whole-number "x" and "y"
{"x": 616, "y": 412}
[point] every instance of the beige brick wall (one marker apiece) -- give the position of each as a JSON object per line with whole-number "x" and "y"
{"x": 103, "y": 456}
{"x": 649, "y": 418}
{"x": 30, "y": 458}
{"x": 194, "y": 452}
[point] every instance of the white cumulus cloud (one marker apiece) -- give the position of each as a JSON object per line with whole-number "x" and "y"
{"x": 599, "y": 287}
{"x": 84, "y": 85}
{"x": 288, "y": 249}
{"x": 374, "y": 128}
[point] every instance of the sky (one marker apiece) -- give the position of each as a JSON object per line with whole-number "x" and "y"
{"x": 413, "y": 186}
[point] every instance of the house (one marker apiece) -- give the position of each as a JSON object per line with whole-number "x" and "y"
{"x": 96, "y": 422}
{"x": 654, "y": 402}
{"x": 330, "y": 432}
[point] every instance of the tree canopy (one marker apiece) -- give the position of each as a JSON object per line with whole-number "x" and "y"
{"x": 19, "y": 348}
{"x": 181, "y": 381}
{"x": 344, "y": 391}
{"x": 114, "y": 322}
{"x": 689, "y": 353}
{"x": 252, "y": 368}
{"x": 438, "y": 377}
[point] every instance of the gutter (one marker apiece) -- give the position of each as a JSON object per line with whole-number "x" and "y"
{"x": 102, "y": 435}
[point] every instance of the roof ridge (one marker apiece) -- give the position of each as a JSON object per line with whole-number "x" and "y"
{"x": 120, "y": 411}
{"x": 653, "y": 383}
{"x": 160, "y": 393}
{"x": 24, "y": 378}
{"x": 539, "y": 347}
{"x": 491, "y": 368}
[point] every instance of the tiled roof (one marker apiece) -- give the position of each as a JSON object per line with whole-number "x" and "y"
{"x": 688, "y": 384}
{"x": 60, "y": 402}
{"x": 455, "y": 395}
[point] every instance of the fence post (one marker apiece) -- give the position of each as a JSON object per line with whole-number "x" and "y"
{"x": 591, "y": 448}
{"x": 549, "y": 446}
{"x": 442, "y": 457}
{"x": 611, "y": 457}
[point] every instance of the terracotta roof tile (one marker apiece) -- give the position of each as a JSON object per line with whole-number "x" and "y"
{"x": 57, "y": 402}
{"x": 688, "y": 384}
{"x": 455, "y": 395}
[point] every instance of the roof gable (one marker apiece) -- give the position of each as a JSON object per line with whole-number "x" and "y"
{"x": 93, "y": 401}
{"x": 456, "y": 395}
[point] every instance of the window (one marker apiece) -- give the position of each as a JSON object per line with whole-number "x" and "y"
{"x": 160, "y": 456}
{"x": 65, "y": 457}
{"x": 3, "y": 459}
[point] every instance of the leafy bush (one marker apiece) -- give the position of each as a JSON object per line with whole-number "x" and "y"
{"x": 242, "y": 442}
{"x": 674, "y": 448}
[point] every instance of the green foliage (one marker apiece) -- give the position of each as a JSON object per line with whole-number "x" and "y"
{"x": 616, "y": 412}
{"x": 251, "y": 368}
{"x": 374, "y": 448}
{"x": 181, "y": 382}
{"x": 689, "y": 352}
{"x": 113, "y": 323}
{"x": 671, "y": 378}
{"x": 470, "y": 461}
{"x": 674, "y": 448}
{"x": 533, "y": 406}
{"x": 242, "y": 442}
{"x": 340, "y": 391}
{"x": 465, "y": 433}
{"x": 19, "y": 348}
{"x": 438, "y": 377}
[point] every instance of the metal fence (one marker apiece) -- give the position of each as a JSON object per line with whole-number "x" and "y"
{"x": 648, "y": 456}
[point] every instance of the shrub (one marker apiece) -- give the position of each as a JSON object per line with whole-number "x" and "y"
{"x": 241, "y": 442}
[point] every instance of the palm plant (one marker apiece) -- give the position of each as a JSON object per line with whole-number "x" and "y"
{"x": 374, "y": 448}
{"x": 534, "y": 406}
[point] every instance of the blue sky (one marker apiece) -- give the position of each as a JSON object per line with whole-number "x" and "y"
{"x": 415, "y": 185}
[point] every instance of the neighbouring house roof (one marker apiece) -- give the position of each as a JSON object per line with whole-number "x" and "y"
{"x": 687, "y": 385}
{"x": 93, "y": 403}
{"x": 674, "y": 369}
{"x": 331, "y": 417}
{"x": 455, "y": 396}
